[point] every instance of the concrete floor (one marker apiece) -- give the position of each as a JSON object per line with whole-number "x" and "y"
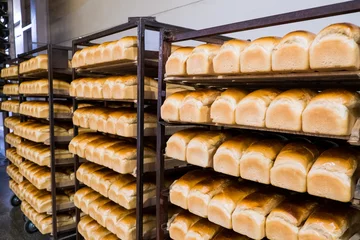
{"x": 11, "y": 218}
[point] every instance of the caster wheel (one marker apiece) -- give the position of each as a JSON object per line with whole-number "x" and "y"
{"x": 30, "y": 227}
{"x": 15, "y": 201}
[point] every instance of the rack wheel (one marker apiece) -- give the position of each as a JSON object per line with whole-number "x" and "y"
{"x": 30, "y": 227}
{"x": 15, "y": 201}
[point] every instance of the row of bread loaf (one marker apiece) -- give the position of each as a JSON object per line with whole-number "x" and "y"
{"x": 41, "y": 200}
{"x": 11, "y": 89}
{"x": 10, "y": 106}
{"x": 110, "y": 215}
{"x": 14, "y": 187}
{"x": 13, "y": 157}
{"x": 297, "y": 165}
{"x": 9, "y": 72}
{"x": 13, "y": 171}
{"x": 332, "y": 111}
{"x": 40, "y": 132}
{"x": 119, "y": 154}
{"x": 39, "y": 109}
{"x": 91, "y": 229}
{"x": 11, "y": 122}
{"x": 40, "y": 153}
{"x": 41, "y": 86}
{"x": 336, "y": 47}
{"x": 119, "y": 188}
{"x": 12, "y": 139}
{"x": 120, "y": 121}
{"x": 43, "y": 222}
{"x": 257, "y": 211}
{"x": 40, "y": 176}
{"x": 39, "y": 62}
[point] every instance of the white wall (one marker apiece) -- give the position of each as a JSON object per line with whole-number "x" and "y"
{"x": 75, "y": 18}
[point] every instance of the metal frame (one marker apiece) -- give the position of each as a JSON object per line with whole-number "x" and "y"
{"x": 212, "y": 35}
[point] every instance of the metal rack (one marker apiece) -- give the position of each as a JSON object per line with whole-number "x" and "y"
{"x": 313, "y": 80}
{"x": 58, "y": 57}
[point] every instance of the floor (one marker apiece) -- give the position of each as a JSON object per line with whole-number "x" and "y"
{"x": 11, "y": 218}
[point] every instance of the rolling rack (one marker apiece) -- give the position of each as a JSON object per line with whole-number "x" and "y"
{"x": 313, "y": 80}
{"x": 4, "y": 32}
{"x": 58, "y": 57}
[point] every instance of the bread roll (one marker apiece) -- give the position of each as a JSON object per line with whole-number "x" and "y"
{"x": 258, "y": 159}
{"x": 170, "y": 110}
{"x": 202, "y": 229}
{"x": 226, "y": 234}
{"x": 180, "y": 189}
{"x": 223, "y": 204}
{"x": 176, "y": 63}
{"x": 181, "y": 223}
{"x": 336, "y": 47}
{"x": 285, "y": 221}
{"x": 200, "y": 61}
{"x": 223, "y": 108}
{"x": 256, "y": 57}
{"x": 292, "y": 52}
{"x": 227, "y": 60}
{"x": 202, "y": 147}
{"x": 227, "y": 156}
{"x": 195, "y": 107}
{"x": 251, "y": 110}
{"x": 292, "y": 166}
{"x": 286, "y": 109}
{"x": 334, "y": 173}
{"x": 177, "y": 144}
{"x": 251, "y": 212}
{"x": 332, "y": 111}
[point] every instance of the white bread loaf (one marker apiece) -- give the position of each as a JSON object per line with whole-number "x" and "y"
{"x": 170, "y": 110}
{"x": 285, "y": 221}
{"x": 176, "y": 63}
{"x": 292, "y": 165}
{"x": 11, "y": 89}
{"x": 227, "y": 60}
{"x": 334, "y": 174}
{"x": 11, "y": 122}
{"x": 123, "y": 49}
{"x": 103, "y": 212}
{"x": 200, "y": 195}
{"x": 114, "y": 217}
{"x": 9, "y": 72}
{"x": 258, "y": 159}
{"x": 13, "y": 139}
{"x": 336, "y": 47}
{"x": 126, "y": 227}
{"x": 332, "y": 111}
{"x": 223, "y": 108}
{"x": 195, "y": 107}
{"x": 291, "y": 54}
{"x": 250, "y": 214}
{"x": 256, "y": 57}
{"x": 251, "y": 110}
{"x": 286, "y": 109}
{"x": 200, "y": 61}
{"x": 202, "y": 229}
{"x": 177, "y": 144}
{"x": 180, "y": 224}
{"x": 180, "y": 188}
{"x": 222, "y": 205}
{"x": 93, "y": 206}
{"x": 201, "y": 148}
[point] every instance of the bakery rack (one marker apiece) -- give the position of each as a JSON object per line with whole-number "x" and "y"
{"x": 57, "y": 68}
{"x": 314, "y": 80}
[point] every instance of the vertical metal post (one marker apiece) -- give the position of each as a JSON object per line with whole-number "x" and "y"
{"x": 140, "y": 129}
{"x": 161, "y": 200}
{"x": 52, "y": 140}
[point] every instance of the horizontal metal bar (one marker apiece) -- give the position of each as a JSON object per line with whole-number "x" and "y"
{"x": 285, "y": 18}
{"x": 31, "y": 52}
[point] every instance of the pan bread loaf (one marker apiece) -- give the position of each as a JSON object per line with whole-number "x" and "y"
{"x": 11, "y": 122}
{"x": 200, "y": 61}
{"x": 13, "y": 157}
{"x": 170, "y": 110}
{"x": 41, "y": 86}
{"x": 9, "y": 72}
{"x": 176, "y": 63}
{"x": 180, "y": 224}
{"x": 202, "y": 229}
{"x": 41, "y": 109}
{"x": 13, "y": 139}
{"x": 39, "y": 62}
{"x": 125, "y": 228}
{"x": 10, "y": 106}
{"x": 11, "y": 89}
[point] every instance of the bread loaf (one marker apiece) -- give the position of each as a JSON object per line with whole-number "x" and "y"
{"x": 176, "y": 63}
{"x": 10, "y": 106}
{"x": 124, "y": 49}
{"x": 93, "y": 206}
{"x": 126, "y": 227}
{"x": 13, "y": 157}
{"x": 227, "y": 60}
{"x": 202, "y": 229}
{"x": 250, "y": 214}
{"x": 258, "y": 159}
{"x": 180, "y": 224}
{"x": 102, "y": 180}
{"x": 251, "y": 110}
{"x": 170, "y": 110}
{"x": 336, "y": 47}
{"x": 115, "y": 216}
{"x": 291, "y": 54}
{"x": 227, "y": 156}
{"x": 11, "y": 122}
{"x": 334, "y": 174}
{"x": 200, "y": 61}
{"x": 256, "y": 57}
{"x": 13, "y": 139}
{"x": 202, "y": 147}
{"x": 332, "y": 111}
{"x": 11, "y": 89}
{"x": 222, "y": 205}
{"x": 223, "y": 108}
{"x": 103, "y": 212}
{"x": 286, "y": 109}
{"x": 285, "y": 221}
{"x": 292, "y": 165}
{"x": 9, "y": 72}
